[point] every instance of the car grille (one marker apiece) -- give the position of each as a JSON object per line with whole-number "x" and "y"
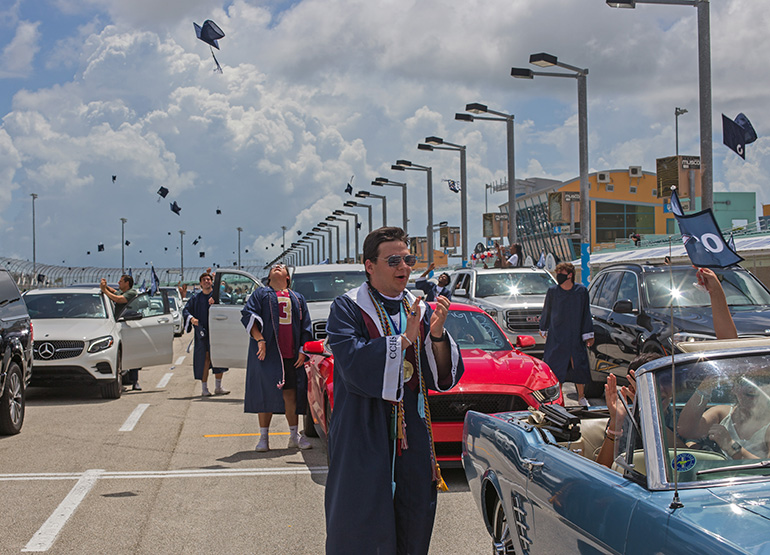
{"x": 451, "y": 408}
{"x": 57, "y": 349}
{"x": 319, "y": 330}
{"x": 523, "y": 319}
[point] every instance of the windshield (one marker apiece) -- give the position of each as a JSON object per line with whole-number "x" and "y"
{"x": 65, "y": 305}
{"x": 519, "y": 283}
{"x": 326, "y": 286}
{"x": 172, "y": 302}
{"x": 722, "y": 416}
{"x": 475, "y": 330}
{"x": 741, "y": 289}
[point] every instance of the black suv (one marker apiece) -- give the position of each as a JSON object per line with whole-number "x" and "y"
{"x": 632, "y": 315}
{"x": 15, "y": 355}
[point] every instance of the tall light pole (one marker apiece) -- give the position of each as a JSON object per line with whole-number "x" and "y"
{"x": 704, "y": 87}
{"x": 325, "y": 228}
{"x": 380, "y": 181}
{"x": 403, "y": 165}
{"x": 437, "y": 143}
{"x": 355, "y": 221}
{"x": 123, "y": 245}
{"x": 322, "y": 236}
{"x": 547, "y": 60}
{"x": 347, "y": 234}
{"x": 678, "y": 112}
{"x": 475, "y": 109}
{"x": 34, "y": 242}
{"x": 354, "y": 204}
{"x": 367, "y": 194}
{"x": 240, "y": 229}
{"x": 181, "y": 253}
{"x": 335, "y": 226}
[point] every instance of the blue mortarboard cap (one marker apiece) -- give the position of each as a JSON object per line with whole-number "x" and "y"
{"x": 209, "y": 33}
{"x": 175, "y": 208}
{"x": 749, "y": 134}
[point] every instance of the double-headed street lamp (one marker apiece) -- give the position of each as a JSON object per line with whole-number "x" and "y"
{"x": 403, "y": 165}
{"x": 437, "y": 143}
{"x": 475, "y": 109}
{"x": 380, "y": 181}
{"x": 355, "y": 221}
{"x": 367, "y": 194}
{"x": 704, "y": 87}
{"x": 347, "y": 235}
{"x": 580, "y": 74}
{"x": 354, "y": 204}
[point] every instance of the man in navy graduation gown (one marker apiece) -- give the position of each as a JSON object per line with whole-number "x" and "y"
{"x": 433, "y": 290}
{"x": 566, "y": 323}
{"x": 196, "y": 314}
{"x": 381, "y": 489}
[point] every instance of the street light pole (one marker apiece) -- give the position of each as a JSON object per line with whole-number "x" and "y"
{"x": 123, "y": 245}
{"x": 355, "y": 228}
{"x": 367, "y": 194}
{"x": 678, "y": 112}
{"x": 704, "y": 87}
{"x": 403, "y": 165}
{"x": 181, "y": 253}
{"x": 547, "y": 60}
{"x": 380, "y": 181}
{"x": 240, "y": 229}
{"x": 34, "y": 242}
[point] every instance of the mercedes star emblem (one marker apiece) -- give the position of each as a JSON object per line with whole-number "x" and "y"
{"x": 46, "y": 350}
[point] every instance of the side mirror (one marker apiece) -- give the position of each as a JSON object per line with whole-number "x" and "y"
{"x": 130, "y": 315}
{"x": 524, "y": 341}
{"x": 623, "y": 307}
{"x": 460, "y": 292}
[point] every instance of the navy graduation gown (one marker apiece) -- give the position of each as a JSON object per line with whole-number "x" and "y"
{"x": 432, "y": 290}
{"x": 362, "y": 513}
{"x": 566, "y": 317}
{"x": 264, "y": 377}
{"x": 198, "y": 307}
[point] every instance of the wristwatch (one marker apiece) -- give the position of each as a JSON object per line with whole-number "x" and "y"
{"x": 735, "y": 448}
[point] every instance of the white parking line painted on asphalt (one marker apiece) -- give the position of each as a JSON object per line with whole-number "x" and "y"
{"x": 164, "y": 380}
{"x": 189, "y": 473}
{"x": 180, "y": 360}
{"x": 134, "y": 417}
{"x": 47, "y": 533}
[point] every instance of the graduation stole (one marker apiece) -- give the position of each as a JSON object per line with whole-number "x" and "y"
{"x": 398, "y": 422}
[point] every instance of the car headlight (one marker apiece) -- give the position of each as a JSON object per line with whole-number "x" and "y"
{"x": 100, "y": 344}
{"x": 685, "y": 337}
{"x": 547, "y": 395}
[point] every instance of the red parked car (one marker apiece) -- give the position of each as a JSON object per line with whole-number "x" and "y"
{"x": 497, "y": 378}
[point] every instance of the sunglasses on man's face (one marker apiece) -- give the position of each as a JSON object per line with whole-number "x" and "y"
{"x": 394, "y": 260}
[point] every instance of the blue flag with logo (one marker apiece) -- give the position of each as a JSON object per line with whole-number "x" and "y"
{"x": 154, "y": 281}
{"x": 704, "y": 242}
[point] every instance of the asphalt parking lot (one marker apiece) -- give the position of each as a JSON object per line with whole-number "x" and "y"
{"x": 165, "y": 471}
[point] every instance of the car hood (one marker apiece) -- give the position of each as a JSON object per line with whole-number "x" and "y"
{"x": 513, "y": 301}
{"x": 319, "y": 310}
{"x": 748, "y": 320}
{"x": 504, "y": 368}
{"x": 71, "y": 328}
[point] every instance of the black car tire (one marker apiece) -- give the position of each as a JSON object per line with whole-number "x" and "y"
{"x": 502, "y": 539}
{"x": 12, "y": 402}
{"x": 310, "y": 430}
{"x": 114, "y": 388}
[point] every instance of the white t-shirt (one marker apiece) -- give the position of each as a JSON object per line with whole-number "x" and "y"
{"x": 514, "y": 260}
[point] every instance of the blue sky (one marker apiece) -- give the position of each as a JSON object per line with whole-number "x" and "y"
{"x": 314, "y": 91}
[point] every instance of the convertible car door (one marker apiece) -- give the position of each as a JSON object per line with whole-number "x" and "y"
{"x": 229, "y": 340}
{"x": 149, "y": 340}
{"x": 579, "y": 506}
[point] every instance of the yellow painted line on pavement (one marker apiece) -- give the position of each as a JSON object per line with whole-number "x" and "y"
{"x": 245, "y": 435}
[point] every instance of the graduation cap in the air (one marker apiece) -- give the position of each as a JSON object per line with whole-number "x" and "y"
{"x": 128, "y": 243}
{"x": 299, "y": 232}
{"x": 349, "y": 186}
{"x": 272, "y": 245}
{"x": 100, "y": 247}
{"x": 169, "y": 233}
{"x": 140, "y": 252}
{"x": 247, "y": 250}
{"x": 219, "y": 211}
{"x": 88, "y": 252}
{"x": 175, "y": 208}
{"x": 210, "y": 33}
{"x": 358, "y": 225}
{"x": 114, "y": 178}
{"x": 162, "y": 192}
{"x": 737, "y": 134}
{"x": 165, "y": 248}
{"x": 202, "y": 254}
{"x": 195, "y": 242}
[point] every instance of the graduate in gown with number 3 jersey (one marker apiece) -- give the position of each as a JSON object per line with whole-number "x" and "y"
{"x": 389, "y": 349}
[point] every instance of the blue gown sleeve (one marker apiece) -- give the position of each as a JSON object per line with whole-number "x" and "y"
{"x": 251, "y": 313}
{"x": 587, "y": 323}
{"x": 545, "y": 316}
{"x": 189, "y": 312}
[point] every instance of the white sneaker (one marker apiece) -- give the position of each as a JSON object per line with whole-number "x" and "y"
{"x": 206, "y": 393}
{"x": 299, "y": 441}
{"x": 263, "y": 445}
{"x": 221, "y": 391}
{"x": 583, "y": 402}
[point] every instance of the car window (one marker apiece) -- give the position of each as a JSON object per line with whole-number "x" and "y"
{"x": 606, "y": 298}
{"x": 10, "y": 298}
{"x": 172, "y": 302}
{"x": 326, "y": 286}
{"x": 741, "y": 289}
{"x": 66, "y": 305}
{"x": 234, "y": 289}
{"x": 145, "y": 305}
{"x": 628, "y": 290}
{"x": 475, "y": 330}
{"x": 595, "y": 288}
{"x": 513, "y": 284}
{"x": 463, "y": 281}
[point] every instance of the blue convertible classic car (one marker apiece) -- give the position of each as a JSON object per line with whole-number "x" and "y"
{"x": 691, "y": 471}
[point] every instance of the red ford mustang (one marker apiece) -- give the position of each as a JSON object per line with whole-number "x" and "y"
{"x": 497, "y": 378}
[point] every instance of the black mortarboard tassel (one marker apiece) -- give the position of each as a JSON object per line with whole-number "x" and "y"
{"x": 175, "y": 208}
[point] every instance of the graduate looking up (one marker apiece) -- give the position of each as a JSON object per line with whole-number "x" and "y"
{"x": 278, "y": 323}
{"x": 389, "y": 349}
{"x": 432, "y": 290}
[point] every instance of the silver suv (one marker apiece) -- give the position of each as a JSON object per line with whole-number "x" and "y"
{"x": 514, "y": 297}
